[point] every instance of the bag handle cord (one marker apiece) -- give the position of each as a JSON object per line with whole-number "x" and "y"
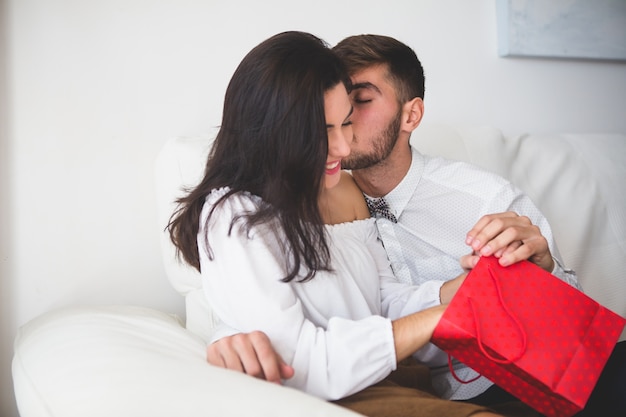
{"x": 479, "y": 336}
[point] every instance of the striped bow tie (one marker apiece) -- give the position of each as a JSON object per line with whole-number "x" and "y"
{"x": 378, "y": 208}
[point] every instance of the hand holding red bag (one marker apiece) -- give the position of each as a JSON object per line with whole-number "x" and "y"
{"x": 530, "y": 333}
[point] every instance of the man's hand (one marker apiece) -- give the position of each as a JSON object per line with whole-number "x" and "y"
{"x": 251, "y": 353}
{"x": 509, "y": 237}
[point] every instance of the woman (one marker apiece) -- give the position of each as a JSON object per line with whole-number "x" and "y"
{"x": 283, "y": 238}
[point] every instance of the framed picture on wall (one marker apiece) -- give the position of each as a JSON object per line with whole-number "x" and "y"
{"x": 577, "y": 29}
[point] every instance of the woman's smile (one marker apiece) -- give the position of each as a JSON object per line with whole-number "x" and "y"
{"x": 333, "y": 167}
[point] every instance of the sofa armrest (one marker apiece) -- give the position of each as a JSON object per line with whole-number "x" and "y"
{"x": 130, "y": 361}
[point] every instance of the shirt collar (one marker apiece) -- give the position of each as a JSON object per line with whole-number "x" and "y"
{"x": 399, "y": 197}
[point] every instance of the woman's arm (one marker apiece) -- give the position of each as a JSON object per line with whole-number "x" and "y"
{"x": 253, "y": 353}
{"x": 412, "y": 332}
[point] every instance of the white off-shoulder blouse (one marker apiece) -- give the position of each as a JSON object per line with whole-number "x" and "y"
{"x": 335, "y": 330}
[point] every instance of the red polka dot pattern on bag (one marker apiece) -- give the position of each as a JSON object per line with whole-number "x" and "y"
{"x": 530, "y": 333}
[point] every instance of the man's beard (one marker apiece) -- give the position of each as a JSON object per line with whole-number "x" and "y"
{"x": 382, "y": 147}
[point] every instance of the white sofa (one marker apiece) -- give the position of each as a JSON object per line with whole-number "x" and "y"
{"x": 134, "y": 361}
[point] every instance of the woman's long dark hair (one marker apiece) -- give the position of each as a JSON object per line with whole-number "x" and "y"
{"x": 273, "y": 144}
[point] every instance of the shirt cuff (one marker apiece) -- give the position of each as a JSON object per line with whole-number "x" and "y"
{"x": 221, "y": 332}
{"x": 567, "y": 275}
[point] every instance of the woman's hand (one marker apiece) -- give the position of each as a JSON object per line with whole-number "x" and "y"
{"x": 250, "y": 353}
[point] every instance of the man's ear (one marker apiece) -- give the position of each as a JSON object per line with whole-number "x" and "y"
{"x": 412, "y": 113}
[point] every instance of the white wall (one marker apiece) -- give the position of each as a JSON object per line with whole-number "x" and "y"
{"x": 96, "y": 87}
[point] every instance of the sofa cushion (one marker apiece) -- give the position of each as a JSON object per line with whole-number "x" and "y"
{"x": 179, "y": 166}
{"x": 578, "y": 182}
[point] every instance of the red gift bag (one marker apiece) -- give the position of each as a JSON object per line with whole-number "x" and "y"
{"x": 530, "y": 333}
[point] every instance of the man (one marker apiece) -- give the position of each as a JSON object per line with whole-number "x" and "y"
{"x": 439, "y": 212}
{"x": 436, "y": 202}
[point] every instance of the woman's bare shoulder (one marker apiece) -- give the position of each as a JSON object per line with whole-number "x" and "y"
{"x": 352, "y": 196}
{"x": 344, "y": 202}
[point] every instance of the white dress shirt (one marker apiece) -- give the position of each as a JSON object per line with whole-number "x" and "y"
{"x": 436, "y": 204}
{"x": 331, "y": 329}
